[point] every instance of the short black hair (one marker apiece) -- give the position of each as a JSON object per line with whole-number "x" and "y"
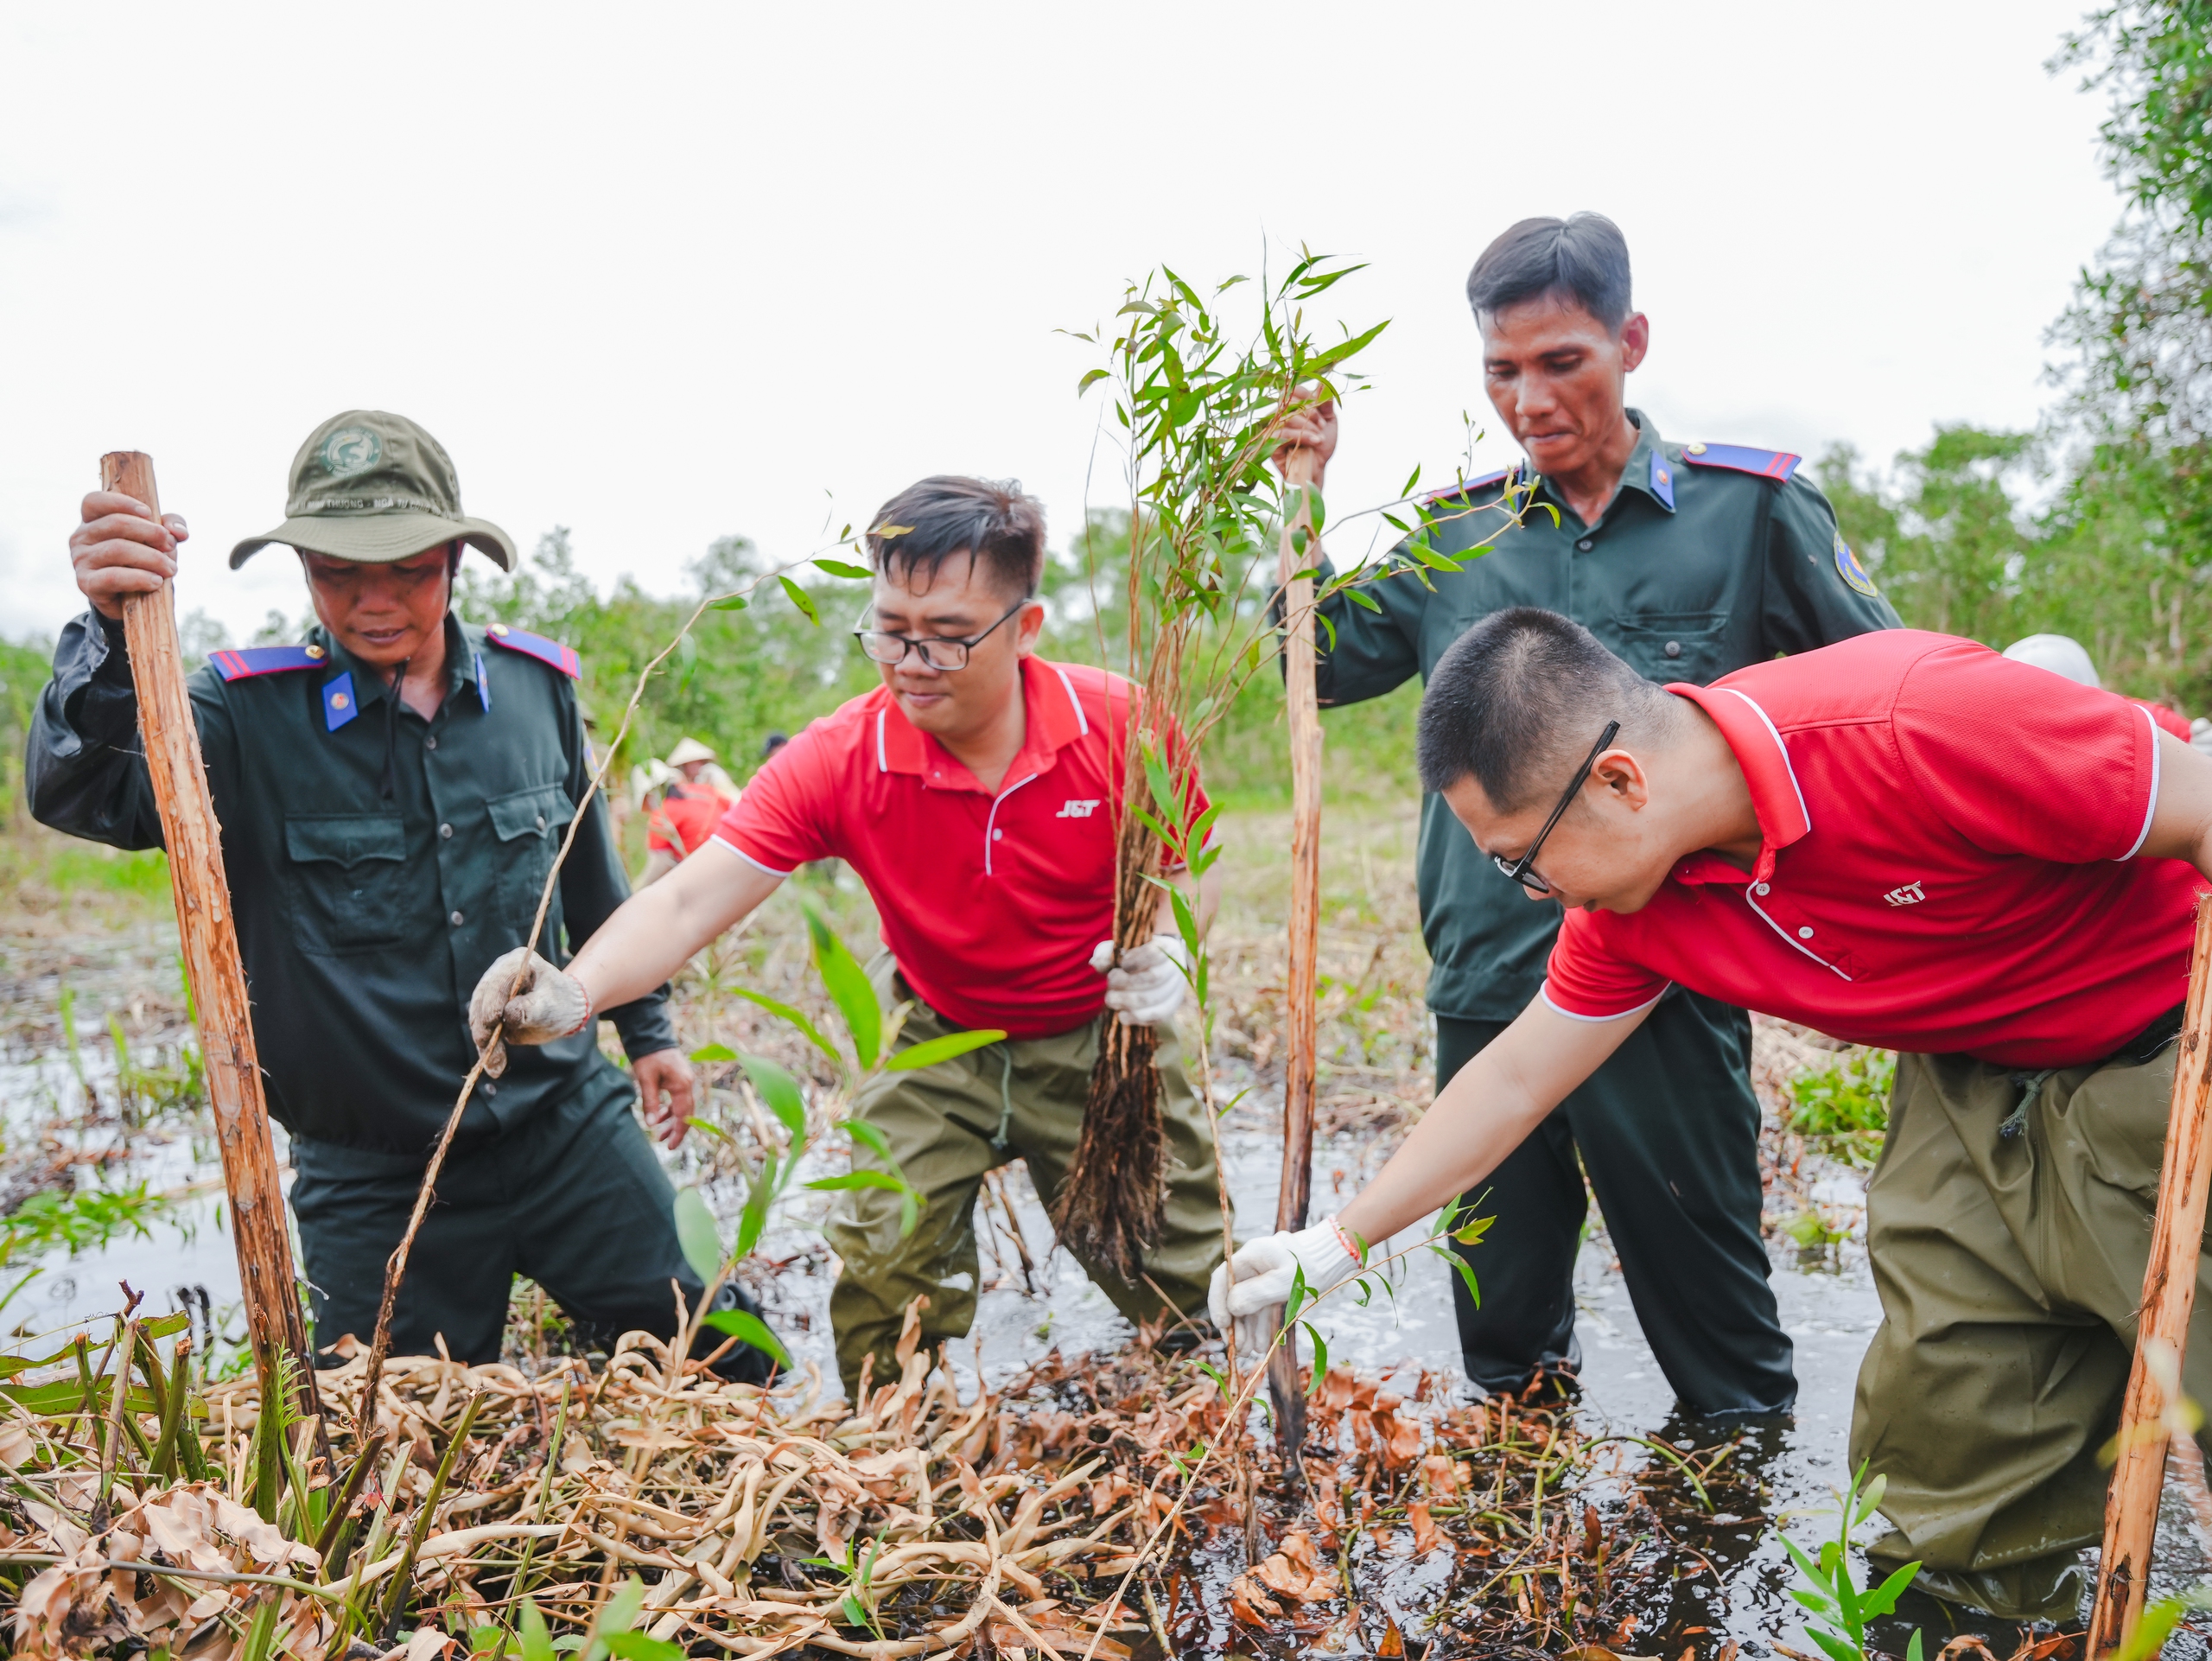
{"x": 991, "y": 520}
{"x": 1583, "y": 259}
{"x": 1518, "y": 701}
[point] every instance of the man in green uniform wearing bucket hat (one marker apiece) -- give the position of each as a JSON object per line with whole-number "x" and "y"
{"x": 392, "y": 792}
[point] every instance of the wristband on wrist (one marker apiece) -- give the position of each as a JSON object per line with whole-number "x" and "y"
{"x": 1351, "y": 1245}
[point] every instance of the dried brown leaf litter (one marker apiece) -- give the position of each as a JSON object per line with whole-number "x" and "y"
{"x": 712, "y": 1518}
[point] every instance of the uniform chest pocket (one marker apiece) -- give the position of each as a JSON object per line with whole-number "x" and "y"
{"x": 530, "y": 825}
{"x": 346, "y": 880}
{"x": 1662, "y": 646}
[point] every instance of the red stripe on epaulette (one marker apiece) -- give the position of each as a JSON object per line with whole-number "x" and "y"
{"x": 1465, "y": 487}
{"x": 1779, "y": 465}
{"x": 243, "y": 662}
{"x": 551, "y": 654}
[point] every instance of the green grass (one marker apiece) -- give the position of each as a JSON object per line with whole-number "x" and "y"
{"x": 74, "y": 867}
{"x": 1845, "y": 1107}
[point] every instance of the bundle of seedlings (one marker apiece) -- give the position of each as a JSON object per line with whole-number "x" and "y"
{"x": 1201, "y": 392}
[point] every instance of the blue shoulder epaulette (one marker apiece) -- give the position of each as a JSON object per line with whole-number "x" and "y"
{"x": 551, "y": 654}
{"x": 243, "y": 662}
{"x": 1466, "y": 487}
{"x": 1776, "y": 465}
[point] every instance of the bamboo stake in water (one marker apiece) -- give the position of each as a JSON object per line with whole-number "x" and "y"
{"x": 1294, "y": 1192}
{"x": 209, "y": 936}
{"x": 2162, "y": 1330}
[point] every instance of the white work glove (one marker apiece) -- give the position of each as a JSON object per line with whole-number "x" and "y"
{"x": 1146, "y": 986}
{"x": 1258, "y": 1279}
{"x": 548, "y": 1005}
{"x": 2200, "y": 735}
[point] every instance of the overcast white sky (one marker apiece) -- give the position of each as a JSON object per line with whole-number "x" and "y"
{"x": 661, "y": 273}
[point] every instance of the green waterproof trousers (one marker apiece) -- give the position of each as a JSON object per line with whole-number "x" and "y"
{"x": 949, "y": 1124}
{"x": 2008, "y": 1238}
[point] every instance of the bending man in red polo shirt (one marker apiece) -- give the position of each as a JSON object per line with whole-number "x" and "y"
{"x": 1904, "y": 840}
{"x": 972, "y": 792}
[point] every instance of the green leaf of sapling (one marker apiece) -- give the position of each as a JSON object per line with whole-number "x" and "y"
{"x": 847, "y": 1182}
{"x": 786, "y": 1012}
{"x": 845, "y": 567}
{"x": 780, "y": 1090}
{"x": 697, "y": 1234}
{"x": 847, "y": 985}
{"x": 930, "y": 1051}
{"x": 800, "y": 598}
{"x": 748, "y": 1328}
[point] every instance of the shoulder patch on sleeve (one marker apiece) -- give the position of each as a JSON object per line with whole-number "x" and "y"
{"x": 243, "y": 662}
{"x": 1466, "y": 487}
{"x": 1853, "y": 573}
{"x": 1777, "y": 465}
{"x": 551, "y": 654}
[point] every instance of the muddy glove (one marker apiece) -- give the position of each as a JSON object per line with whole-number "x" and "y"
{"x": 1254, "y": 1282}
{"x": 548, "y": 1005}
{"x": 1146, "y": 986}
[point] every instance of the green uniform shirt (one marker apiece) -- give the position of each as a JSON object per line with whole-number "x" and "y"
{"x": 1698, "y": 568}
{"x": 364, "y": 920}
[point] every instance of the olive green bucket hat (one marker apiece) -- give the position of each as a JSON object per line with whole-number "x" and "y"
{"x": 376, "y": 488}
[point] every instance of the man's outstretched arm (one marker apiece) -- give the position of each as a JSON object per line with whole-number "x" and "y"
{"x": 1477, "y": 1118}
{"x": 649, "y": 937}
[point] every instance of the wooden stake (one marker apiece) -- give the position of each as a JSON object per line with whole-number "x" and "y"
{"x": 2162, "y": 1330}
{"x": 209, "y": 934}
{"x": 1294, "y": 1193}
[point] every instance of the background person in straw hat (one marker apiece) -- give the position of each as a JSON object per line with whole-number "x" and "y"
{"x": 694, "y": 793}
{"x": 392, "y": 792}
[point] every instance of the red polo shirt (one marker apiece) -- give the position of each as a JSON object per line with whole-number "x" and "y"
{"x": 990, "y": 903}
{"x": 1948, "y": 863}
{"x": 685, "y": 820}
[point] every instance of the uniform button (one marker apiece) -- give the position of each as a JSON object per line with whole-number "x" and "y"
{"x": 431, "y": 742}
{"x": 541, "y": 821}
{"x": 1760, "y": 889}
{"x": 445, "y": 833}
{"x": 455, "y": 920}
{"x": 998, "y": 835}
{"x": 1585, "y": 545}
{"x": 1674, "y": 648}
{"x": 1805, "y": 934}
{"x": 490, "y": 1086}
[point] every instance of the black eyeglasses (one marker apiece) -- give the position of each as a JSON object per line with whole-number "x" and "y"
{"x": 937, "y": 651}
{"x": 1518, "y": 868}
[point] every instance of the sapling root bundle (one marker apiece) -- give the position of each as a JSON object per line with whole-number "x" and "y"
{"x": 1109, "y": 1208}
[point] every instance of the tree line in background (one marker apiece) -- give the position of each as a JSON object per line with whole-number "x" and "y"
{"x": 2098, "y": 525}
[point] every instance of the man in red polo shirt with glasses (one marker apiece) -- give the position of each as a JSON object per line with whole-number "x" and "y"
{"x": 1904, "y": 840}
{"x": 974, "y": 794}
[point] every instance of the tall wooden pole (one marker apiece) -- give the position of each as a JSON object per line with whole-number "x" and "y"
{"x": 210, "y": 938}
{"x": 1295, "y": 1191}
{"x": 2162, "y": 1329}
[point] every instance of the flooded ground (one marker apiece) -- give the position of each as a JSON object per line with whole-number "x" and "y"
{"x": 1828, "y": 1306}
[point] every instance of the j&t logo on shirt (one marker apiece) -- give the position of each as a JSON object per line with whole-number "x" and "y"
{"x": 1076, "y": 810}
{"x": 1908, "y": 896}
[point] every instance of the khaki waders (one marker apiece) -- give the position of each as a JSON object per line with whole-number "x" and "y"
{"x": 2008, "y": 1224}
{"x": 949, "y": 1124}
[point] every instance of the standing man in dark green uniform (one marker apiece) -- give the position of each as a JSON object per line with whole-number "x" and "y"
{"x": 392, "y": 794}
{"x": 1689, "y": 561}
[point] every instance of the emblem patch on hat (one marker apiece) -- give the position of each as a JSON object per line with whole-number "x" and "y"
{"x": 1853, "y": 574}
{"x": 351, "y": 450}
